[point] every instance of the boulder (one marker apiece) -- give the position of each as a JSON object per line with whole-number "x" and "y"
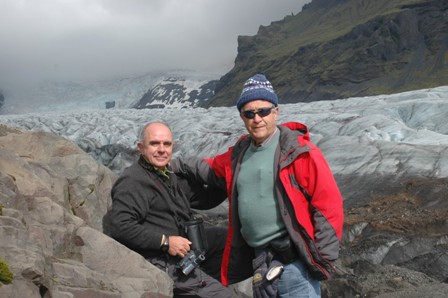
{"x": 53, "y": 197}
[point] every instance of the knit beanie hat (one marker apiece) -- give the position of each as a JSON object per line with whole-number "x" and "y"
{"x": 257, "y": 87}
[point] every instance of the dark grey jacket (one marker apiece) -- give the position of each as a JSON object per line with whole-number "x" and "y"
{"x": 145, "y": 205}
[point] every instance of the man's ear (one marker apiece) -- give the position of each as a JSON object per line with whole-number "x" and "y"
{"x": 140, "y": 146}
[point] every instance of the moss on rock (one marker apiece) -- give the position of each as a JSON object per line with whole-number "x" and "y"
{"x": 6, "y": 275}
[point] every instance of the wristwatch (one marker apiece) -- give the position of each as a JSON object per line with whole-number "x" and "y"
{"x": 165, "y": 244}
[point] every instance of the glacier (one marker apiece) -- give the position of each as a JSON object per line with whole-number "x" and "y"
{"x": 384, "y": 137}
{"x": 389, "y": 155}
{"x": 123, "y": 92}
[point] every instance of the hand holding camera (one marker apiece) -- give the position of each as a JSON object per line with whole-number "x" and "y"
{"x": 196, "y": 234}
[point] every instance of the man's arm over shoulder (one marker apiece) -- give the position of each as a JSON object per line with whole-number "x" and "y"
{"x": 207, "y": 171}
{"x": 201, "y": 196}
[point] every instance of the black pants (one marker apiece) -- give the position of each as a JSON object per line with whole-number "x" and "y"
{"x": 203, "y": 281}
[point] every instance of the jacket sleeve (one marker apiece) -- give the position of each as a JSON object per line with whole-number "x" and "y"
{"x": 326, "y": 205}
{"x": 201, "y": 196}
{"x": 129, "y": 207}
{"x": 207, "y": 171}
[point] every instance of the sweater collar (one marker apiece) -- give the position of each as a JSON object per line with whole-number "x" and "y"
{"x": 267, "y": 141}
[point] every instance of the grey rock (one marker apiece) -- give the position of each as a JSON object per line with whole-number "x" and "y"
{"x": 53, "y": 197}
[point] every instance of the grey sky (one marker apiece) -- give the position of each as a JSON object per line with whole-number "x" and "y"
{"x": 91, "y": 39}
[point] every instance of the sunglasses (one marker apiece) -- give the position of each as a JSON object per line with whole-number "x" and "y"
{"x": 263, "y": 112}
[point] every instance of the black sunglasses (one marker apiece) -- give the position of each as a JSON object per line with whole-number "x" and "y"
{"x": 263, "y": 112}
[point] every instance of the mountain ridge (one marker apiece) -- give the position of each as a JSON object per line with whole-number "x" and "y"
{"x": 338, "y": 49}
{"x": 330, "y": 50}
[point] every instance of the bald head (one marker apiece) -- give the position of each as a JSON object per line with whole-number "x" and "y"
{"x": 156, "y": 144}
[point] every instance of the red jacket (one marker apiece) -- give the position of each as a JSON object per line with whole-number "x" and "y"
{"x": 310, "y": 201}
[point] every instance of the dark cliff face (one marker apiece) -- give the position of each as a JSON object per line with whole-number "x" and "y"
{"x": 345, "y": 48}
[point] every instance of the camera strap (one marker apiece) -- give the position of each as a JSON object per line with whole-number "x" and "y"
{"x": 178, "y": 194}
{"x": 179, "y": 221}
{"x": 167, "y": 181}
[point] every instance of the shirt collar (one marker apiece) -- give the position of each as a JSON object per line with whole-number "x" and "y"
{"x": 147, "y": 165}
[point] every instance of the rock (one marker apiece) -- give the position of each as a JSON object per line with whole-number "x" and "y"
{"x": 395, "y": 245}
{"x": 53, "y": 197}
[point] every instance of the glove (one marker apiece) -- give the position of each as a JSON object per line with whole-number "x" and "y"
{"x": 266, "y": 273}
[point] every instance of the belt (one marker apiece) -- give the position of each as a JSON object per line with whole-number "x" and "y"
{"x": 284, "y": 250}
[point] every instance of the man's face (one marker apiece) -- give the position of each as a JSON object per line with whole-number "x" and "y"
{"x": 259, "y": 128}
{"x": 157, "y": 147}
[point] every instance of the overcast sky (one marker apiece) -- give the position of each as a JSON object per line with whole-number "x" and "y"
{"x": 90, "y": 39}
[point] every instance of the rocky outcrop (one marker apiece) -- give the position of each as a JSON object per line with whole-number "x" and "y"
{"x": 339, "y": 49}
{"x": 175, "y": 92}
{"x": 396, "y": 245}
{"x": 53, "y": 197}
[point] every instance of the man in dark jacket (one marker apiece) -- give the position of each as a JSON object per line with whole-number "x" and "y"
{"x": 286, "y": 210}
{"x": 150, "y": 210}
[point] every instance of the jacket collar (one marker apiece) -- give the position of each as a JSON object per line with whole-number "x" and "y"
{"x": 148, "y": 166}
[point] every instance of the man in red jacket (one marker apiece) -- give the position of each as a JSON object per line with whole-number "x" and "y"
{"x": 285, "y": 208}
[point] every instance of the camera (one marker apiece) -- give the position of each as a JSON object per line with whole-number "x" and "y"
{"x": 190, "y": 261}
{"x": 196, "y": 234}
